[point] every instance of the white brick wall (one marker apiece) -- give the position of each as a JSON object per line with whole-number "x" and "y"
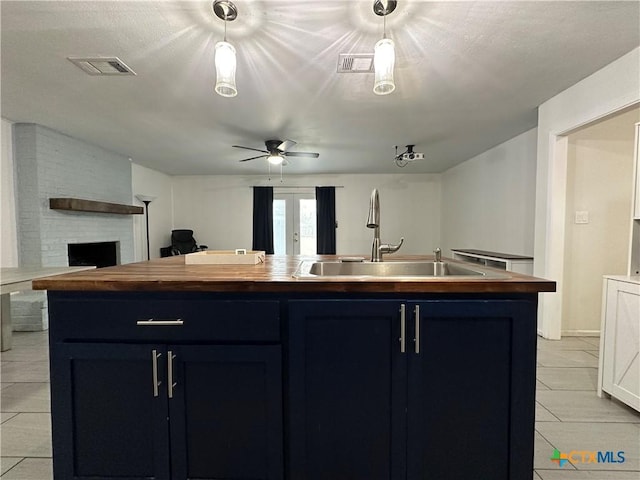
{"x": 50, "y": 164}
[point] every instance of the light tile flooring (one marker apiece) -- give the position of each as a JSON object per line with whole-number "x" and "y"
{"x": 569, "y": 415}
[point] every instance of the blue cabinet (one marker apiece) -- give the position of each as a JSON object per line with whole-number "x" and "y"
{"x": 208, "y": 406}
{"x": 411, "y": 389}
{"x": 106, "y": 421}
{"x": 226, "y": 417}
{"x": 219, "y": 386}
{"x": 347, "y": 391}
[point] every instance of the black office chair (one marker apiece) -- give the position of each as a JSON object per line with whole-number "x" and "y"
{"x": 182, "y": 242}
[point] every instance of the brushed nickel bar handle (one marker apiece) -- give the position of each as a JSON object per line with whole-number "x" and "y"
{"x": 403, "y": 320}
{"x": 170, "y": 382}
{"x": 417, "y": 339}
{"x": 154, "y": 368}
{"x": 160, "y": 323}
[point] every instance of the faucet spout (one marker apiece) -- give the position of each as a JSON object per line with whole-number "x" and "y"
{"x": 373, "y": 221}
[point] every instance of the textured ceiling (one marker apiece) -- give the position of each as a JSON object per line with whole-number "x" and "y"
{"x": 469, "y": 76}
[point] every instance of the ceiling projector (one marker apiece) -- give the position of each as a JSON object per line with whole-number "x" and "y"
{"x": 402, "y": 159}
{"x": 411, "y": 156}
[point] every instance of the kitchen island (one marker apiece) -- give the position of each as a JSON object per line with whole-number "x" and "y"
{"x": 170, "y": 371}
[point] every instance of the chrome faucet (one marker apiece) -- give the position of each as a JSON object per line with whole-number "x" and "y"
{"x": 373, "y": 221}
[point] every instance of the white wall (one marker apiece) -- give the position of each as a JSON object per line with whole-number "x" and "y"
{"x": 599, "y": 181}
{"x": 488, "y": 201}
{"x": 151, "y": 182}
{"x": 219, "y": 209}
{"x": 608, "y": 90}
{"x": 8, "y": 233}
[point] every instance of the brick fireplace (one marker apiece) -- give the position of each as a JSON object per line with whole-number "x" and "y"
{"x": 50, "y": 164}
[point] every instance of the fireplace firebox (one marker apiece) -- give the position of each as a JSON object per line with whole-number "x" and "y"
{"x": 99, "y": 254}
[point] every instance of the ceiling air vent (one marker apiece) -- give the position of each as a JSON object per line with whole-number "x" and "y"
{"x": 355, "y": 63}
{"x": 101, "y": 65}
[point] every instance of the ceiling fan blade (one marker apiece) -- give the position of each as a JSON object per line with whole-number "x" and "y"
{"x": 249, "y": 148}
{"x": 253, "y": 158}
{"x": 301, "y": 154}
{"x": 286, "y": 145}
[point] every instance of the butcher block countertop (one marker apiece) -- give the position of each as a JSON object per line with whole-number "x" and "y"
{"x": 274, "y": 275}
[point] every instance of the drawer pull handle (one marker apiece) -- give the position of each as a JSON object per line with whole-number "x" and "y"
{"x": 402, "y": 328}
{"x": 160, "y": 323}
{"x": 417, "y": 339}
{"x": 170, "y": 382}
{"x": 154, "y": 368}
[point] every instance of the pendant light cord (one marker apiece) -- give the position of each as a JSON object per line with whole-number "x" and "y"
{"x": 384, "y": 26}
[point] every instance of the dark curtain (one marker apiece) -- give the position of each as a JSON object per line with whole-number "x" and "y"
{"x": 263, "y": 219}
{"x": 326, "y": 220}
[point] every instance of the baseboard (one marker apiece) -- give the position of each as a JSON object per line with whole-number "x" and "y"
{"x": 580, "y": 333}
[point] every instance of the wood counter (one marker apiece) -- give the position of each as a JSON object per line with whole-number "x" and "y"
{"x": 275, "y": 275}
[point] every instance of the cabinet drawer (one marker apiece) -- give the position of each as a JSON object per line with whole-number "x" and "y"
{"x": 159, "y": 320}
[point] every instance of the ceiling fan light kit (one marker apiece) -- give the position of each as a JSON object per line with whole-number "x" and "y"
{"x": 225, "y": 53}
{"x": 384, "y": 56}
{"x": 275, "y": 159}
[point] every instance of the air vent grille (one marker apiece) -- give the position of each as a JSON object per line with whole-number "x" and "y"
{"x": 101, "y": 65}
{"x": 355, "y": 63}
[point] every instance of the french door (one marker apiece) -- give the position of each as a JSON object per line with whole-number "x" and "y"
{"x": 294, "y": 224}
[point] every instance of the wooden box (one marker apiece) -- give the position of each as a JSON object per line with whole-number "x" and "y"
{"x": 226, "y": 257}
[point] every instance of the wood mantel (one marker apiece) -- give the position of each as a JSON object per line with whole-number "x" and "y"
{"x": 81, "y": 205}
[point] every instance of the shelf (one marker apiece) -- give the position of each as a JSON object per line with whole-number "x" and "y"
{"x": 81, "y": 205}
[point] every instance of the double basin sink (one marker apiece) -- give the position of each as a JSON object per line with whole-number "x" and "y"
{"x": 393, "y": 270}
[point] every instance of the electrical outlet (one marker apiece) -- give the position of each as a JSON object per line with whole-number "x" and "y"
{"x": 582, "y": 217}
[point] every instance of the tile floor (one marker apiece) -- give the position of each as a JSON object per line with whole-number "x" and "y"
{"x": 569, "y": 415}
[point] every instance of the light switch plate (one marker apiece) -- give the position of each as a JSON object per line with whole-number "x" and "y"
{"x": 582, "y": 217}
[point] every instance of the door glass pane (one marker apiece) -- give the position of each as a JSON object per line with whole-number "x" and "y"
{"x": 279, "y": 227}
{"x": 307, "y": 226}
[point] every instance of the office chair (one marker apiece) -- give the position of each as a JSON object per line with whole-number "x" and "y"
{"x": 182, "y": 242}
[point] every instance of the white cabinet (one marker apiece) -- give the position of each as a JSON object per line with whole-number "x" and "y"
{"x": 505, "y": 261}
{"x": 619, "y": 369}
{"x": 636, "y": 208}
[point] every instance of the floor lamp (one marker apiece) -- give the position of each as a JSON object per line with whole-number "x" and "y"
{"x": 146, "y": 199}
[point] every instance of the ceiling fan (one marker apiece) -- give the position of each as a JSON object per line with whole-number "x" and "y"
{"x": 276, "y": 151}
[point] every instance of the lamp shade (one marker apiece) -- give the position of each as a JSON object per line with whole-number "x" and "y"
{"x": 383, "y": 61}
{"x": 226, "y": 69}
{"x": 275, "y": 159}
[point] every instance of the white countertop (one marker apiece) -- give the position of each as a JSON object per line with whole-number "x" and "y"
{"x": 19, "y": 278}
{"x": 625, "y": 278}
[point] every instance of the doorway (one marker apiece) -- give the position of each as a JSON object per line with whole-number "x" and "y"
{"x": 294, "y": 224}
{"x": 597, "y": 222}
{"x": 571, "y": 219}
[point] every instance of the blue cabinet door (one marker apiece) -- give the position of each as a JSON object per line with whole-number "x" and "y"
{"x": 347, "y": 391}
{"x": 471, "y": 387}
{"x": 225, "y": 410}
{"x": 107, "y": 422}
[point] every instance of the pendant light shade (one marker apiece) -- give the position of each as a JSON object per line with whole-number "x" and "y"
{"x": 383, "y": 61}
{"x": 225, "y": 58}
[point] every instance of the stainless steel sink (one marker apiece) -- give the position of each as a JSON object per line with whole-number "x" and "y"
{"x": 399, "y": 270}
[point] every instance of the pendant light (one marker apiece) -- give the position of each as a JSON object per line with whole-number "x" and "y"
{"x": 384, "y": 53}
{"x": 225, "y": 53}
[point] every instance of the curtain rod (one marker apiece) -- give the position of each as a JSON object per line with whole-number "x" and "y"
{"x": 297, "y": 186}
